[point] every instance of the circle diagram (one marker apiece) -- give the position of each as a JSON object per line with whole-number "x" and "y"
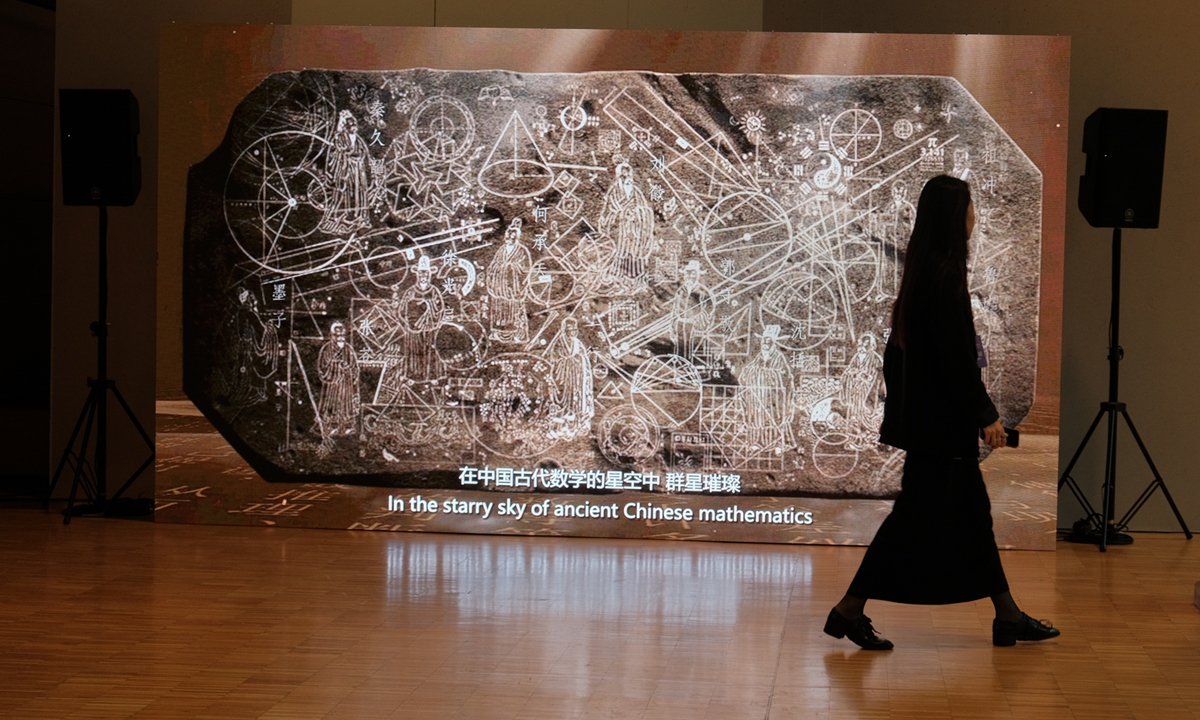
{"x": 442, "y": 129}
{"x": 833, "y": 456}
{"x": 573, "y": 117}
{"x": 459, "y": 346}
{"x": 855, "y": 134}
{"x": 628, "y": 436}
{"x": 274, "y": 201}
{"x": 825, "y": 170}
{"x": 806, "y": 304}
{"x": 512, "y": 408}
{"x": 747, "y": 237}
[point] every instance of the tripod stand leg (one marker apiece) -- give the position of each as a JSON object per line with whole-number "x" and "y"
{"x": 1110, "y": 480}
{"x": 1067, "y": 480}
{"x": 1157, "y": 483}
{"x": 83, "y": 414}
{"x": 87, "y": 433}
{"x": 132, "y": 417}
{"x": 145, "y": 437}
{"x": 1079, "y": 450}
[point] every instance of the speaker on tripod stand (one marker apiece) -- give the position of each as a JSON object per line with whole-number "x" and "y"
{"x": 1121, "y": 188}
{"x": 100, "y": 167}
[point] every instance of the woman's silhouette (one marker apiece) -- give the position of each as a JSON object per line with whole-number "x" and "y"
{"x": 937, "y": 545}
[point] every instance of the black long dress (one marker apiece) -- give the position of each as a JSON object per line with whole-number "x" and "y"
{"x": 937, "y": 545}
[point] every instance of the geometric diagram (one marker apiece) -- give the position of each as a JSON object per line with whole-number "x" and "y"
{"x": 628, "y": 435}
{"x": 515, "y": 406}
{"x": 515, "y": 167}
{"x": 667, "y": 388}
{"x": 443, "y": 128}
{"x": 750, "y": 228}
{"x": 392, "y": 275}
{"x": 574, "y": 118}
{"x": 855, "y": 134}
{"x": 273, "y": 206}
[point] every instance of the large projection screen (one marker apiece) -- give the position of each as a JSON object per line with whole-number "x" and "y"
{"x": 593, "y": 283}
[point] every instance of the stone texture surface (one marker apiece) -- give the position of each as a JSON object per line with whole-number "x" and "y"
{"x": 390, "y": 276}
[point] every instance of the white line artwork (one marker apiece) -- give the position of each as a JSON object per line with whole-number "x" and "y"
{"x": 393, "y": 275}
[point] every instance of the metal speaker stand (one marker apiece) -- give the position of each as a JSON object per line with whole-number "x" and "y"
{"x": 1102, "y": 528}
{"x": 95, "y": 415}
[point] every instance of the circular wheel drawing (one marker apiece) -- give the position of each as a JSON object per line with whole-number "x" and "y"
{"x": 442, "y": 128}
{"x": 385, "y": 266}
{"x": 459, "y": 346}
{"x": 573, "y": 117}
{"x": 807, "y": 306}
{"x": 832, "y": 456}
{"x": 747, "y": 237}
{"x": 855, "y": 134}
{"x": 512, "y": 405}
{"x": 590, "y": 262}
{"x": 628, "y": 436}
{"x": 274, "y": 199}
{"x": 667, "y": 389}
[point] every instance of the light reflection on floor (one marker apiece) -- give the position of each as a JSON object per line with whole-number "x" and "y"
{"x": 611, "y": 581}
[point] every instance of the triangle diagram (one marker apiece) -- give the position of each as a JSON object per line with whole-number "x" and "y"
{"x": 610, "y": 392}
{"x": 516, "y": 167}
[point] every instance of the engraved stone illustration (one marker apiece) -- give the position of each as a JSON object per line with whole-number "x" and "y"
{"x": 394, "y": 276}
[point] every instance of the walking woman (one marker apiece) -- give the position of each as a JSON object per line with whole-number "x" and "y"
{"x": 937, "y": 546}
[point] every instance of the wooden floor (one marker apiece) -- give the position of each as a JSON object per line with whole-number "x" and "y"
{"x": 121, "y": 618}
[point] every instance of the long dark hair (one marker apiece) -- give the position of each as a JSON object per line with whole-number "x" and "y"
{"x": 937, "y": 251}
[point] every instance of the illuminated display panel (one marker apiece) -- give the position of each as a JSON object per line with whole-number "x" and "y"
{"x": 636, "y": 302}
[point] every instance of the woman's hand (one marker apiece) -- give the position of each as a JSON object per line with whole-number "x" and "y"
{"x": 994, "y": 435}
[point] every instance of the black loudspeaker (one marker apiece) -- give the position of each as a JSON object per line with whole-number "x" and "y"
{"x": 100, "y": 163}
{"x": 1122, "y": 185}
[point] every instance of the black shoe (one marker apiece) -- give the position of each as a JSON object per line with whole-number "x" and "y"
{"x": 859, "y": 631}
{"x": 1006, "y": 634}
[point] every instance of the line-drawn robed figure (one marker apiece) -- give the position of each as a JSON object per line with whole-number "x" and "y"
{"x": 766, "y": 396}
{"x": 254, "y": 354}
{"x": 346, "y": 208}
{"x": 572, "y": 375}
{"x": 627, "y": 218}
{"x": 507, "y": 279}
{"x": 337, "y": 366}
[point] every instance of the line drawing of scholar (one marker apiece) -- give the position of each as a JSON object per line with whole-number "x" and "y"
{"x": 389, "y": 276}
{"x": 765, "y": 395}
{"x": 692, "y": 311}
{"x": 626, "y": 217}
{"x": 337, "y": 366}
{"x": 507, "y": 280}
{"x": 421, "y": 314}
{"x": 862, "y": 390}
{"x": 253, "y": 348}
{"x": 573, "y": 392}
{"x": 346, "y": 209}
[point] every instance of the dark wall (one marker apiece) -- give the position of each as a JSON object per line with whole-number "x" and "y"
{"x": 26, "y": 221}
